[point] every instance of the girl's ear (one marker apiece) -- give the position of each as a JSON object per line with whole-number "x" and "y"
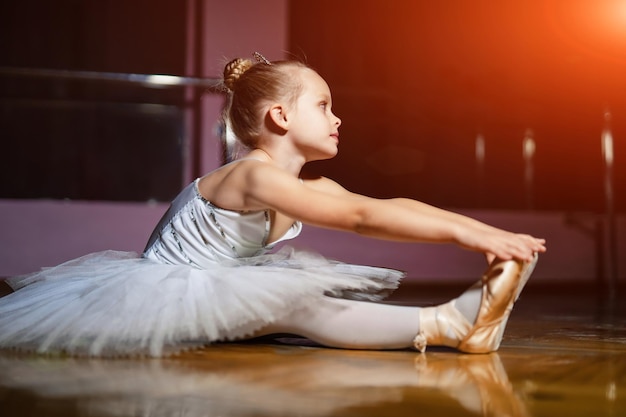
{"x": 278, "y": 115}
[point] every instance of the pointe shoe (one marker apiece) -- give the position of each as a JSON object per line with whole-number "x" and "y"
{"x": 444, "y": 325}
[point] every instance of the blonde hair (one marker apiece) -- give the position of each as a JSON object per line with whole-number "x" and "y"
{"x": 251, "y": 86}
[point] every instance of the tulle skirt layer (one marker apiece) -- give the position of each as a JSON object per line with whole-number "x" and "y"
{"x": 118, "y": 303}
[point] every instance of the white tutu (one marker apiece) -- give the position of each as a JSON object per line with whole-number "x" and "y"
{"x": 118, "y": 303}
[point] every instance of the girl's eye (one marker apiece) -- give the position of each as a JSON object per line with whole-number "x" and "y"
{"x": 323, "y": 105}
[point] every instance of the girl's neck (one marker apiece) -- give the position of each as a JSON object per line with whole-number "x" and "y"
{"x": 285, "y": 161}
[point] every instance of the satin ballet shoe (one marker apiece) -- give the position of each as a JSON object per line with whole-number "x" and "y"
{"x": 526, "y": 272}
{"x": 444, "y": 325}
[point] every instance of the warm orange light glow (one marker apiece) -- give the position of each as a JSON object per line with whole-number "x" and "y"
{"x": 616, "y": 17}
{"x": 596, "y": 28}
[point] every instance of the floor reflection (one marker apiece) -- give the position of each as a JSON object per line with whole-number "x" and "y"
{"x": 261, "y": 380}
{"x": 562, "y": 355}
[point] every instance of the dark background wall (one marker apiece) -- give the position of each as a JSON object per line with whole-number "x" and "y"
{"x": 144, "y": 36}
{"x": 416, "y": 82}
{"x": 66, "y": 137}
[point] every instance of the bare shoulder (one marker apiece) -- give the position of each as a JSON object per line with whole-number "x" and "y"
{"x": 228, "y": 185}
{"x": 249, "y": 184}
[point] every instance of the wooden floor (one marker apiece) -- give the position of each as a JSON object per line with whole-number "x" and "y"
{"x": 564, "y": 354}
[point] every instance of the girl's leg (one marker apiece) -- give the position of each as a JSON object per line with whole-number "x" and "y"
{"x": 359, "y": 324}
{"x": 363, "y": 325}
{"x": 352, "y": 324}
{"x": 473, "y": 322}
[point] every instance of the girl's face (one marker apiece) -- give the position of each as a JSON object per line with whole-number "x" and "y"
{"x": 313, "y": 126}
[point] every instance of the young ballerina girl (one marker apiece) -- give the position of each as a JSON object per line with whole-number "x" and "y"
{"x": 208, "y": 273}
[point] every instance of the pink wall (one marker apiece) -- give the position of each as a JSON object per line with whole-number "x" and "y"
{"x": 231, "y": 30}
{"x": 44, "y": 233}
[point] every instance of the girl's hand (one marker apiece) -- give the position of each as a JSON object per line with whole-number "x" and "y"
{"x": 504, "y": 245}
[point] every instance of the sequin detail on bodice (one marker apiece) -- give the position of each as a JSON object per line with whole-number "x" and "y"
{"x": 196, "y": 232}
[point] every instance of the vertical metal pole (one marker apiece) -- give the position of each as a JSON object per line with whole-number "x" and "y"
{"x": 528, "y": 152}
{"x": 480, "y": 153}
{"x": 611, "y": 225}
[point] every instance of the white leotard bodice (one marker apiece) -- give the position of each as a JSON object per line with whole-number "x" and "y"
{"x": 196, "y": 232}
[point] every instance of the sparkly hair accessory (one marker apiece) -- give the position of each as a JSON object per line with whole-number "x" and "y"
{"x": 261, "y": 59}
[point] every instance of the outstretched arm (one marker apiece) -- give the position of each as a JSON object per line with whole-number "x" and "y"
{"x": 480, "y": 236}
{"x": 326, "y": 204}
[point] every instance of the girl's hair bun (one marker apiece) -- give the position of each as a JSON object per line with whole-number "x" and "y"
{"x": 234, "y": 70}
